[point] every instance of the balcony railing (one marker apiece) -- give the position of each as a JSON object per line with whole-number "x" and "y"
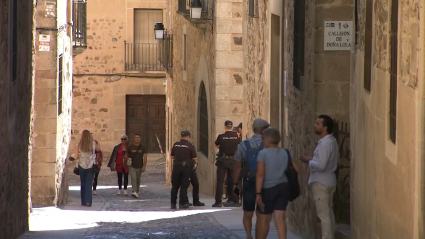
{"x": 79, "y": 18}
{"x": 166, "y": 50}
{"x": 142, "y": 57}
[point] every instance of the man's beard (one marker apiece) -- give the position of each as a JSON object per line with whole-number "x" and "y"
{"x": 317, "y": 132}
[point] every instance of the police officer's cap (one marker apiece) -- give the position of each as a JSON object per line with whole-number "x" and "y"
{"x": 185, "y": 133}
{"x": 228, "y": 123}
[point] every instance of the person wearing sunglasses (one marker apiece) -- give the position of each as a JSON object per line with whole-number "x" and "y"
{"x": 121, "y": 167}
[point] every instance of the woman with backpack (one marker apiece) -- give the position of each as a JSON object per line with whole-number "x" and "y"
{"x": 85, "y": 153}
{"x": 272, "y": 185}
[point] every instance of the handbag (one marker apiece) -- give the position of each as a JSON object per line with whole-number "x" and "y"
{"x": 113, "y": 166}
{"x": 292, "y": 176}
{"x": 77, "y": 171}
{"x": 129, "y": 162}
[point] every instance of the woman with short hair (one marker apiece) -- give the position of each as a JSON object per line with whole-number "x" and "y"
{"x": 272, "y": 184}
{"x": 121, "y": 166}
{"x": 85, "y": 152}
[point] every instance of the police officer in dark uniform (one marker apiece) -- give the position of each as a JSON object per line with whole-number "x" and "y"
{"x": 184, "y": 159}
{"x": 195, "y": 187}
{"x": 227, "y": 143}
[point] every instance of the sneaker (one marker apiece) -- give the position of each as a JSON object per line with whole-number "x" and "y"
{"x": 190, "y": 204}
{"x": 125, "y": 192}
{"x": 94, "y": 192}
{"x": 217, "y": 205}
{"x": 184, "y": 206}
{"x": 119, "y": 192}
{"x": 230, "y": 204}
{"x": 173, "y": 206}
{"x": 135, "y": 195}
{"x": 198, "y": 204}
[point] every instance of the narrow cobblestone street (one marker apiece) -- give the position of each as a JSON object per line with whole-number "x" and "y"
{"x": 149, "y": 216}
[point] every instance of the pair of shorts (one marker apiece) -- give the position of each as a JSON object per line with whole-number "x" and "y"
{"x": 249, "y": 196}
{"x": 275, "y": 198}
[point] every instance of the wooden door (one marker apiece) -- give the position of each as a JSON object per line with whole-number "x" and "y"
{"x": 145, "y": 114}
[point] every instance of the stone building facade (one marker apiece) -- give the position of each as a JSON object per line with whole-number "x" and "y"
{"x": 16, "y": 97}
{"x": 387, "y": 189}
{"x": 118, "y": 84}
{"x": 290, "y": 79}
{"x": 52, "y": 102}
{"x": 207, "y": 81}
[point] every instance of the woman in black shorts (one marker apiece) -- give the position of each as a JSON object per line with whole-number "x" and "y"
{"x": 272, "y": 185}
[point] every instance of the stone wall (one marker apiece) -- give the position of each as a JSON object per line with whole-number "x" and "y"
{"x": 100, "y": 81}
{"x": 51, "y": 128}
{"x": 15, "y": 114}
{"x": 183, "y": 88}
{"x": 324, "y": 90}
{"x": 387, "y": 178}
{"x": 214, "y": 54}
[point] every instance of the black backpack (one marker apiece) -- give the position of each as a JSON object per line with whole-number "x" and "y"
{"x": 292, "y": 176}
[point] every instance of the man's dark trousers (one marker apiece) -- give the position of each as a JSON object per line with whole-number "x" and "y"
{"x": 195, "y": 185}
{"x": 180, "y": 180}
{"x": 225, "y": 166}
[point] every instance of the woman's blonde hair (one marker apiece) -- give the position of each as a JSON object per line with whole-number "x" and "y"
{"x": 86, "y": 142}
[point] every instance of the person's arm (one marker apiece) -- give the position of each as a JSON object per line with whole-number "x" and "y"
{"x": 194, "y": 156}
{"x": 239, "y": 155}
{"x": 77, "y": 151}
{"x": 97, "y": 146}
{"x": 145, "y": 161}
{"x": 259, "y": 177}
{"x": 172, "y": 153}
{"x": 319, "y": 161}
{"x": 217, "y": 142}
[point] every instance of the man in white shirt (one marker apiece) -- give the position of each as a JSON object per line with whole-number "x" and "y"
{"x": 322, "y": 174}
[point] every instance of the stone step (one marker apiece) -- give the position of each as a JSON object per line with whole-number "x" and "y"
{"x": 343, "y": 231}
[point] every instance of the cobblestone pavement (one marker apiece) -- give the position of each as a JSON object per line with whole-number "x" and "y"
{"x": 149, "y": 216}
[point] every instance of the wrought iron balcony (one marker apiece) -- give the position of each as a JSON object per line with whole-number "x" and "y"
{"x": 79, "y": 18}
{"x": 166, "y": 51}
{"x": 142, "y": 57}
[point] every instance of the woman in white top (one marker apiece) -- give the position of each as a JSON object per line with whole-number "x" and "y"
{"x": 85, "y": 152}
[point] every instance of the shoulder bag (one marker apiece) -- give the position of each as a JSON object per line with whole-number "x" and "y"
{"x": 292, "y": 176}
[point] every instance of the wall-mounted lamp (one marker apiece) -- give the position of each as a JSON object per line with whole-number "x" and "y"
{"x": 159, "y": 31}
{"x": 195, "y": 9}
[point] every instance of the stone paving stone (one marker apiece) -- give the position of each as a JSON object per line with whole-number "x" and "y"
{"x": 195, "y": 225}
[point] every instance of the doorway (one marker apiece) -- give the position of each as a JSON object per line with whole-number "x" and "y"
{"x": 145, "y": 115}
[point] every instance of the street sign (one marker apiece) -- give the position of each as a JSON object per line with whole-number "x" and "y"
{"x": 338, "y": 35}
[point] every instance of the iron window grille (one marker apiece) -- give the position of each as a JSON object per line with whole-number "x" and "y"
{"x": 299, "y": 42}
{"x": 253, "y": 8}
{"x": 79, "y": 19}
{"x": 166, "y": 52}
{"x": 60, "y": 86}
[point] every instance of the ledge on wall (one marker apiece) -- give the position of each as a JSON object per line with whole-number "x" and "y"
{"x": 199, "y": 23}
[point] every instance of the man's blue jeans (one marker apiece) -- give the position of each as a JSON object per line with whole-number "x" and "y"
{"x": 86, "y": 178}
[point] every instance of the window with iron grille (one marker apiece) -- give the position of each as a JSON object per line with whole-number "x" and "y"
{"x": 79, "y": 19}
{"x": 183, "y": 6}
{"x": 368, "y": 47}
{"x": 393, "y": 70}
{"x": 60, "y": 86}
{"x": 299, "y": 41}
{"x": 14, "y": 40}
{"x": 203, "y": 121}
